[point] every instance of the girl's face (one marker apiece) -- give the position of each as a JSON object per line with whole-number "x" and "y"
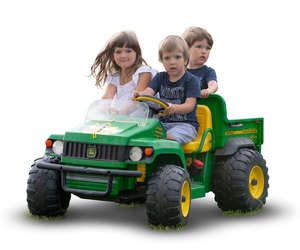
{"x": 124, "y": 57}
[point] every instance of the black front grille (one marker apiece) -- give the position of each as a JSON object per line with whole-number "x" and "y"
{"x": 103, "y": 152}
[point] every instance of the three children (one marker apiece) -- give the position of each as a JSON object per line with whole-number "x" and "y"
{"x": 186, "y": 78}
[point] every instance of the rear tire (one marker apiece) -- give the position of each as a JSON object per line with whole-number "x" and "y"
{"x": 45, "y": 196}
{"x": 241, "y": 181}
{"x": 169, "y": 196}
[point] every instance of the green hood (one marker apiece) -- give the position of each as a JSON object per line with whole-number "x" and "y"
{"x": 115, "y": 132}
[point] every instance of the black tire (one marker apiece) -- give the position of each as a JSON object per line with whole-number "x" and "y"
{"x": 168, "y": 197}
{"x": 45, "y": 196}
{"x": 241, "y": 181}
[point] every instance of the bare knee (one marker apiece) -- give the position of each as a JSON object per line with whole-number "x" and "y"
{"x": 170, "y": 137}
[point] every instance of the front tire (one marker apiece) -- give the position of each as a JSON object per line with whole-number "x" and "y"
{"x": 45, "y": 196}
{"x": 169, "y": 197}
{"x": 241, "y": 182}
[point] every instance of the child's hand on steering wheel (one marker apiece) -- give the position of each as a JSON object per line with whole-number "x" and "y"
{"x": 171, "y": 109}
{"x": 135, "y": 94}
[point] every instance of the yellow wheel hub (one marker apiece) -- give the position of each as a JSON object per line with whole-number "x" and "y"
{"x": 185, "y": 199}
{"x": 256, "y": 182}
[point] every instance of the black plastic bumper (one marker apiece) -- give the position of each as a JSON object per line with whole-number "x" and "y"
{"x": 111, "y": 173}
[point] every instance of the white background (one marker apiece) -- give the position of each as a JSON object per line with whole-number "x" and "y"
{"x": 46, "y": 50}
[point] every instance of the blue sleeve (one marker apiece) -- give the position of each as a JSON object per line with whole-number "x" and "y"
{"x": 193, "y": 88}
{"x": 211, "y": 75}
{"x": 155, "y": 83}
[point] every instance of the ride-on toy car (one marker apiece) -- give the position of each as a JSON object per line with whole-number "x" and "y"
{"x": 121, "y": 154}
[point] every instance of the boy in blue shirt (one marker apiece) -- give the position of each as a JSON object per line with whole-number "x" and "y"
{"x": 200, "y": 43}
{"x": 179, "y": 88}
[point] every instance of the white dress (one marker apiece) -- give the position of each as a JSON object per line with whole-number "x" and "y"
{"x": 124, "y": 92}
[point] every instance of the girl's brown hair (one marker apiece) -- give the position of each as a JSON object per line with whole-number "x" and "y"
{"x": 104, "y": 63}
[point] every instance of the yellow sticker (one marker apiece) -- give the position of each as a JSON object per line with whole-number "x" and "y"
{"x": 189, "y": 161}
{"x": 101, "y": 129}
{"x": 242, "y": 132}
{"x": 158, "y": 132}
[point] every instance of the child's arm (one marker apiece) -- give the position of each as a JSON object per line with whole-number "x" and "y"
{"x": 147, "y": 91}
{"x": 212, "y": 88}
{"x": 110, "y": 92}
{"x": 184, "y": 108}
{"x": 144, "y": 79}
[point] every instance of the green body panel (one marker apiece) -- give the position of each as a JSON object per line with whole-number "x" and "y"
{"x": 151, "y": 134}
{"x": 223, "y": 129}
{"x": 85, "y": 182}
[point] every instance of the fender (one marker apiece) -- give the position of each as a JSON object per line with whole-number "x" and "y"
{"x": 233, "y": 145}
{"x": 161, "y": 147}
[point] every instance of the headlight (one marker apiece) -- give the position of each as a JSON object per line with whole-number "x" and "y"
{"x": 136, "y": 154}
{"x": 58, "y": 147}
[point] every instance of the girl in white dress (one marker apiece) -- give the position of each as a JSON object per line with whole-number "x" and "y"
{"x": 121, "y": 66}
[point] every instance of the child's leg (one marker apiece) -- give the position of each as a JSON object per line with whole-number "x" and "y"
{"x": 180, "y": 131}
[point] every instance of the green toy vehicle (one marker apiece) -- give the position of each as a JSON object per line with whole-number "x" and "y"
{"x": 121, "y": 155}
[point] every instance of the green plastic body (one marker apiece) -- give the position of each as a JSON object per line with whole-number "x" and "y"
{"x": 164, "y": 151}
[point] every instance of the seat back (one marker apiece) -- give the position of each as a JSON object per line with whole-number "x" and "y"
{"x": 204, "y": 119}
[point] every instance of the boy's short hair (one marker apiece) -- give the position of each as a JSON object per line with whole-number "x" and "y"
{"x": 193, "y": 34}
{"x": 172, "y": 42}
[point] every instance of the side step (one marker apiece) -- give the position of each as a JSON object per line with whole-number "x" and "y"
{"x": 198, "y": 190}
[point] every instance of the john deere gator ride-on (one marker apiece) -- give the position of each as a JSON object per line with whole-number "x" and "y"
{"x": 122, "y": 155}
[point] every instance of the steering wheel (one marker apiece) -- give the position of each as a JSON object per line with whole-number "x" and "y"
{"x": 156, "y": 105}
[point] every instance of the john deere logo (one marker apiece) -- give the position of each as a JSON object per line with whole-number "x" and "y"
{"x": 91, "y": 152}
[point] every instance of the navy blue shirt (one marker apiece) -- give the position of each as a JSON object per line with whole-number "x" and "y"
{"x": 205, "y": 74}
{"x": 176, "y": 93}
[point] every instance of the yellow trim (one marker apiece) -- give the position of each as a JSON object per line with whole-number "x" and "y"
{"x": 159, "y": 128}
{"x": 151, "y": 99}
{"x": 256, "y": 182}
{"x": 241, "y": 132}
{"x": 158, "y": 132}
{"x": 142, "y": 168}
{"x": 185, "y": 198}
